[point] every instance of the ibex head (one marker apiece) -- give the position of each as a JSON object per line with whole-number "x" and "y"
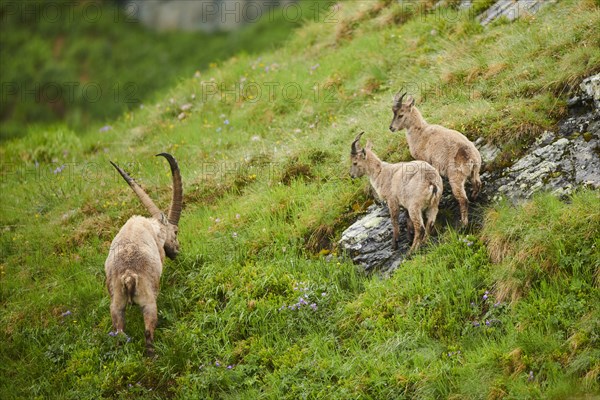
{"x": 401, "y": 111}
{"x": 170, "y": 222}
{"x": 358, "y": 156}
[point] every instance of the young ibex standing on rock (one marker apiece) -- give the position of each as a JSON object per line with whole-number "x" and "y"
{"x": 414, "y": 185}
{"x": 135, "y": 260}
{"x": 449, "y": 151}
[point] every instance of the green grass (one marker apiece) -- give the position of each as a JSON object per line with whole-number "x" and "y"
{"x": 266, "y": 197}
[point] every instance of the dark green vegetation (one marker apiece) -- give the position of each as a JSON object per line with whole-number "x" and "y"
{"x": 87, "y": 62}
{"x": 511, "y": 311}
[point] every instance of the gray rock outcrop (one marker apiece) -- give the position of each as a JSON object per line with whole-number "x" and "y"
{"x": 555, "y": 164}
{"x": 562, "y": 161}
{"x": 509, "y": 9}
{"x": 512, "y": 9}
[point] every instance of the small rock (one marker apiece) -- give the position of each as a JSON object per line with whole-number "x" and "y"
{"x": 488, "y": 151}
{"x": 591, "y": 87}
{"x": 368, "y": 241}
{"x": 546, "y": 138}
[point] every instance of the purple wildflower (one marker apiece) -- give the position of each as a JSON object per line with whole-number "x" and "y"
{"x": 487, "y": 322}
{"x": 66, "y": 313}
{"x": 323, "y": 294}
{"x": 105, "y": 128}
{"x": 475, "y": 323}
{"x": 313, "y": 306}
{"x": 226, "y": 122}
{"x": 113, "y": 334}
{"x": 58, "y": 170}
{"x": 530, "y": 377}
{"x": 485, "y": 295}
{"x": 217, "y": 364}
{"x": 315, "y": 66}
{"x": 229, "y": 366}
{"x": 496, "y": 304}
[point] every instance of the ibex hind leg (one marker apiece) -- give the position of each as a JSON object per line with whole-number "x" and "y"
{"x": 419, "y": 229}
{"x": 150, "y": 319}
{"x": 117, "y": 312}
{"x": 430, "y": 216}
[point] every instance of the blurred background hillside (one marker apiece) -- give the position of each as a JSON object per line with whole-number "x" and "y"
{"x": 85, "y": 62}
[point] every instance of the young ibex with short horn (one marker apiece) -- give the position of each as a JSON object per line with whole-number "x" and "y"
{"x": 449, "y": 151}
{"x": 414, "y": 185}
{"x": 135, "y": 260}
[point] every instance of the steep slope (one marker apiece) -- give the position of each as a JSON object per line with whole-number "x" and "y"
{"x": 259, "y": 304}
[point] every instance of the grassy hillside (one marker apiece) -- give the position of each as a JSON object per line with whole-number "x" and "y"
{"x": 510, "y": 310}
{"x": 86, "y": 62}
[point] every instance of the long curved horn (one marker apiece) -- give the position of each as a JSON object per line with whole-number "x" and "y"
{"x": 356, "y": 139}
{"x": 144, "y": 198}
{"x": 177, "y": 200}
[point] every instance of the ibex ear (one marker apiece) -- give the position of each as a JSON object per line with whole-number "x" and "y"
{"x": 369, "y": 145}
{"x": 411, "y": 101}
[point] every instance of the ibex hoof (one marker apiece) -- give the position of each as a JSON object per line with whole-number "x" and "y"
{"x": 150, "y": 353}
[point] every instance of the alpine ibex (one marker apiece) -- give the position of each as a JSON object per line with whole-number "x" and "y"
{"x": 414, "y": 185}
{"x": 449, "y": 151}
{"x": 135, "y": 260}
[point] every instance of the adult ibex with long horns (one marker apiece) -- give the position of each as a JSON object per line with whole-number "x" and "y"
{"x": 135, "y": 260}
